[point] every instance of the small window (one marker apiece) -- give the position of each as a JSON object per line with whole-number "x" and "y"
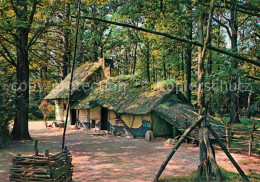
{"x": 64, "y": 106}
{"x": 146, "y": 124}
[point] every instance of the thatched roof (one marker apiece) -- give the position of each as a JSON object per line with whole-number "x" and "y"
{"x": 132, "y": 95}
{"x": 126, "y": 94}
{"x": 83, "y": 76}
{"x": 182, "y": 115}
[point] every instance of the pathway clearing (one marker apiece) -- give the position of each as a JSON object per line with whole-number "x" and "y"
{"x": 110, "y": 158}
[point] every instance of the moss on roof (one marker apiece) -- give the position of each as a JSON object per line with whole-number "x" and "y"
{"x": 132, "y": 95}
{"x": 182, "y": 115}
{"x": 125, "y": 94}
{"x": 81, "y": 77}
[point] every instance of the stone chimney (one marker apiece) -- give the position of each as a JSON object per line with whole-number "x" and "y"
{"x": 108, "y": 67}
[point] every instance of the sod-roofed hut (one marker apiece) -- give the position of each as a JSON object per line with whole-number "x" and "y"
{"x": 127, "y": 105}
{"x": 84, "y": 76}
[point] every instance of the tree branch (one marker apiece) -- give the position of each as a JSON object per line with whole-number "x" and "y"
{"x": 14, "y": 8}
{"x": 6, "y": 58}
{"x": 223, "y": 25}
{"x": 253, "y": 77}
{"x": 36, "y": 36}
{"x": 208, "y": 32}
{"x": 228, "y": 53}
{"x": 8, "y": 54}
{"x": 32, "y": 12}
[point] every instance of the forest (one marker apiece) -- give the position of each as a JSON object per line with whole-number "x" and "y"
{"x": 210, "y": 48}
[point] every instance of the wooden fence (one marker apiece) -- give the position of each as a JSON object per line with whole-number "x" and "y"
{"x": 42, "y": 167}
{"x": 243, "y": 140}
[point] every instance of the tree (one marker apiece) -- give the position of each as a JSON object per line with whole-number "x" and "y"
{"x": 46, "y": 109}
{"x": 25, "y": 17}
{"x": 234, "y": 116}
{"x": 65, "y": 43}
{"x": 16, "y": 41}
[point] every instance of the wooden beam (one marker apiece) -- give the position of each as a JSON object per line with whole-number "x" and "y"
{"x": 228, "y": 53}
{"x": 176, "y": 146}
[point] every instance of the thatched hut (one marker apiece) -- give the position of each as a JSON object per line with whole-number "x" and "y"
{"x": 125, "y": 105}
{"x": 84, "y": 77}
{"x": 129, "y": 105}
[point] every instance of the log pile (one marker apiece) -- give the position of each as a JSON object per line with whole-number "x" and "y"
{"x": 42, "y": 167}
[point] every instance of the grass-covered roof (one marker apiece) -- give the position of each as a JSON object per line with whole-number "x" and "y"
{"x": 127, "y": 94}
{"x": 132, "y": 95}
{"x": 181, "y": 115}
{"x": 82, "y": 76}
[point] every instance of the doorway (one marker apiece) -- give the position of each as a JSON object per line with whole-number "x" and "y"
{"x": 73, "y": 117}
{"x": 104, "y": 122}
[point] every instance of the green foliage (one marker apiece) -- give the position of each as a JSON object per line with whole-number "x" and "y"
{"x": 7, "y": 110}
{"x": 34, "y": 112}
{"x": 227, "y": 177}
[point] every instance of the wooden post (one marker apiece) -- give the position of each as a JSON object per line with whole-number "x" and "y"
{"x": 176, "y": 146}
{"x": 46, "y": 153}
{"x": 251, "y": 140}
{"x": 211, "y": 154}
{"x": 36, "y": 147}
{"x": 71, "y": 76}
{"x": 241, "y": 172}
{"x": 227, "y": 135}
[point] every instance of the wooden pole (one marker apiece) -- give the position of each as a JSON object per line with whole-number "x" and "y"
{"x": 251, "y": 140}
{"x": 176, "y": 146}
{"x": 241, "y": 172}
{"x": 222, "y": 51}
{"x": 71, "y": 78}
{"x": 227, "y": 135}
{"x": 36, "y": 147}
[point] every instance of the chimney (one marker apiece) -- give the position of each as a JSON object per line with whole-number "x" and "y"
{"x": 108, "y": 67}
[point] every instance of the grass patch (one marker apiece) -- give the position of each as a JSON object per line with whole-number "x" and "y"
{"x": 226, "y": 176}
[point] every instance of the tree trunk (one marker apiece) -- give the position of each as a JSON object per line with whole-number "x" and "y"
{"x": 164, "y": 71}
{"x": 25, "y": 17}
{"x": 65, "y": 44}
{"x": 201, "y": 98}
{"x": 20, "y": 130}
{"x": 207, "y": 154}
{"x": 234, "y": 117}
{"x": 248, "y": 114}
{"x": 188, "y": 59}
{"x": 148, "y": 62}
{"x": 164, "y": 66}
{"x": 135, "y": 58}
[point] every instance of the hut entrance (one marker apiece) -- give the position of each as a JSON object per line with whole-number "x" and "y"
{"x": 104, "y": 124}
{"x": 73, "y": 117}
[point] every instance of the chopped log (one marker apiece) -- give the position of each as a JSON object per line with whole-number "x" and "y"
{"x": 176, "y": 146}
{"x": 241, "y": 172}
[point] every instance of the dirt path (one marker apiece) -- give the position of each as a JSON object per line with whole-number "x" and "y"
{"x": 110, "y": 158}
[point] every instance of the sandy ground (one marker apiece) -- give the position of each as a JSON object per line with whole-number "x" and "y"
{"x": 111, "y": 158}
